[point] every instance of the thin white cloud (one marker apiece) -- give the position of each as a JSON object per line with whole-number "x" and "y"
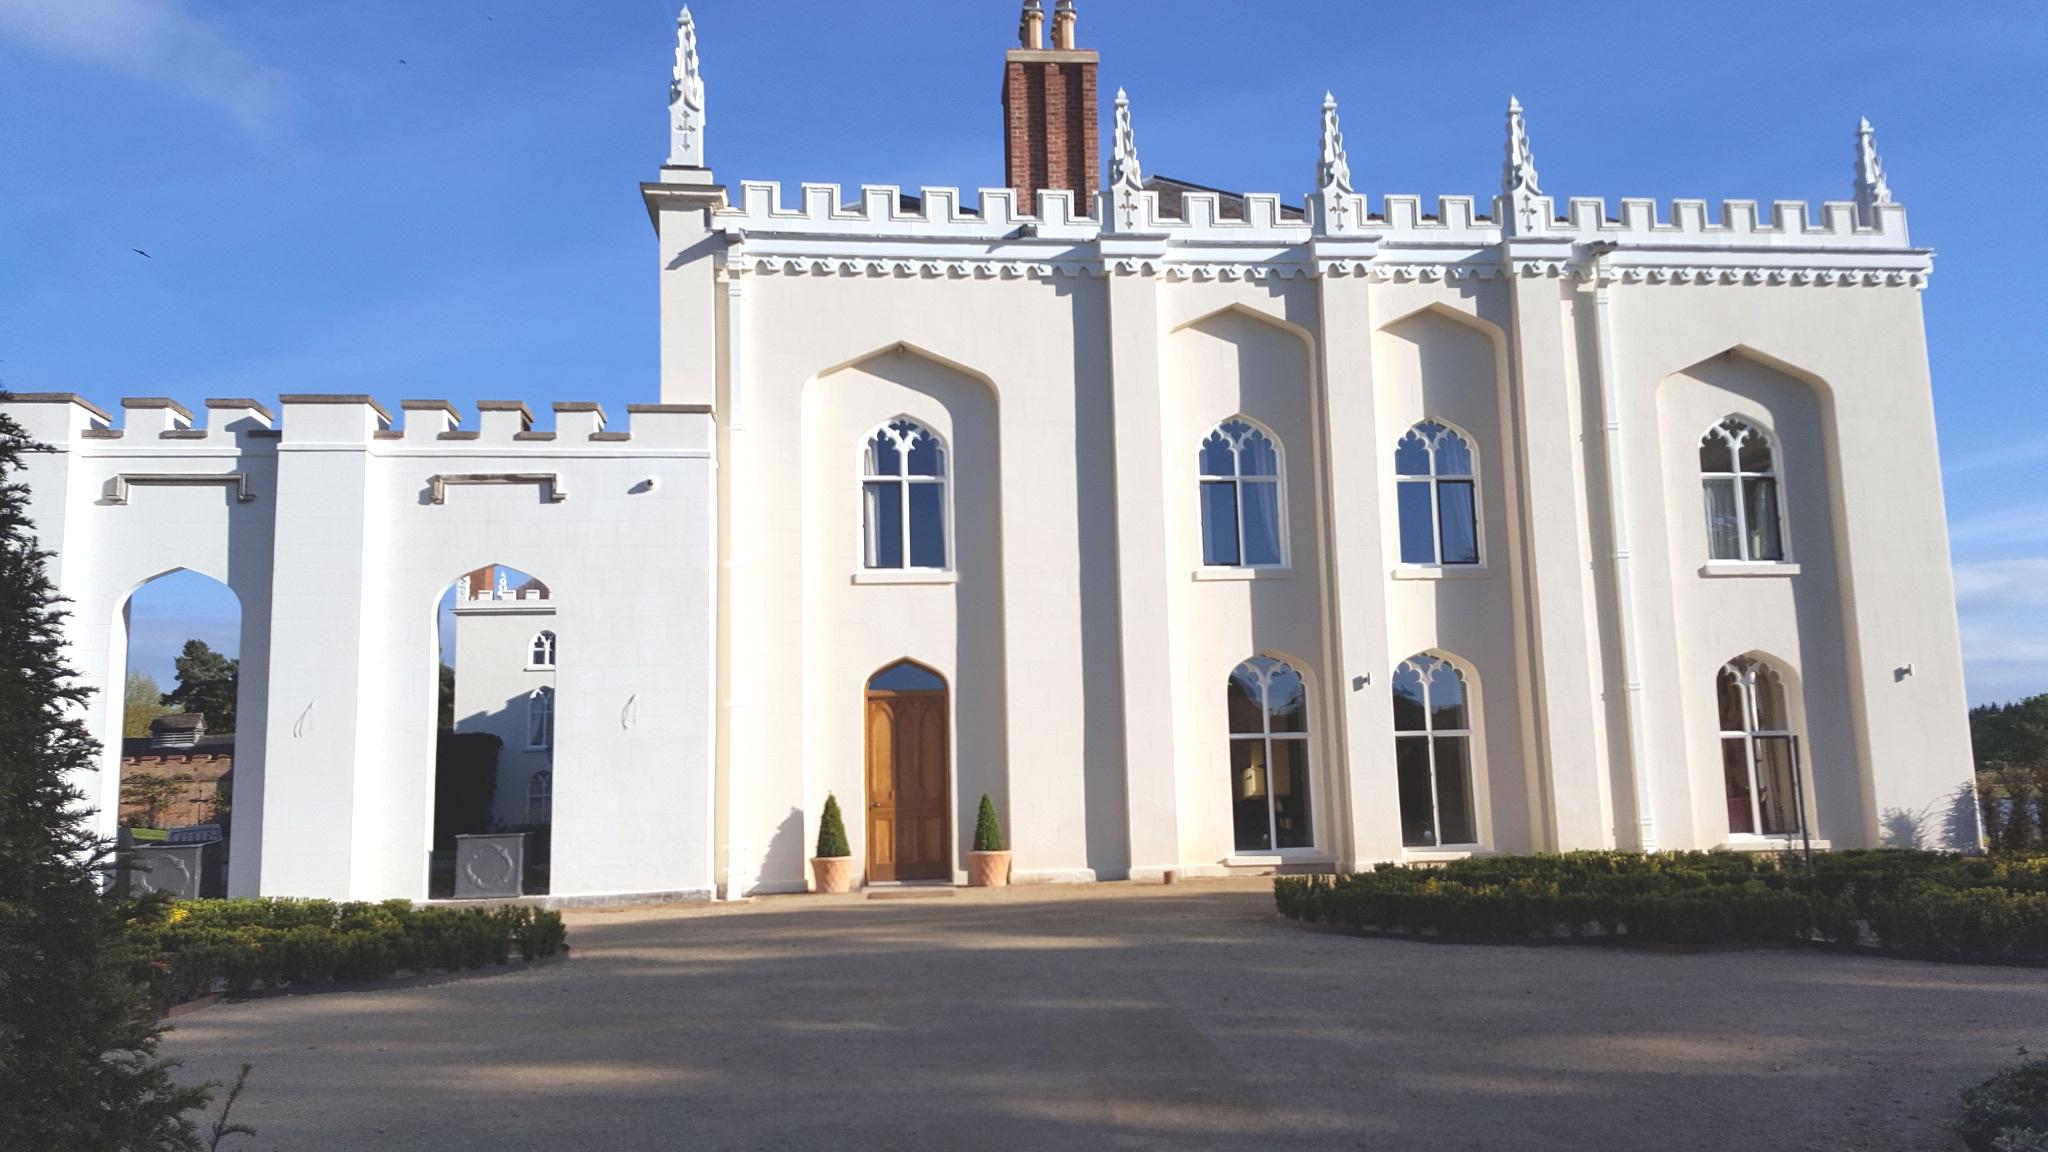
{"x": 2003, "y": 582}
{"x": 2002, "y": 607}
{"x": 2019, "y": 524}
{"x": 161, "y": 42}
{"x": 2003, "y": 456}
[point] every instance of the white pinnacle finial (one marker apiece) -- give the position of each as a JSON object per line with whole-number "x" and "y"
{"x": 1871, "y": 189}
{"x": 686, "y": 99}
{"x": 1518, "y": 171}
{"x": 1123, "y": 155}
{"x": 1333, "y": 169}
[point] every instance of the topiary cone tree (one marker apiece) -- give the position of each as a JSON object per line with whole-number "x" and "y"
{"x": 78, "y": 1039}
{"x": 832, "y": 831}
{"x": 988, "y": 835}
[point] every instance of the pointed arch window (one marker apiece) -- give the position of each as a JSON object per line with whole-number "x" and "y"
{"x": 540, "y": 718}
{"x": 1739, "y": 477}
{"x": 1437, "y": 489}
{"x": 1759, "y": 751}
{"x": 1241, "y": 498}
{"x": 1269, "y": 756}
{"x": 903, "y": 488}
{"x": 541, "y": 654}
{"x": 1433, "y": 753}
{"x": 540, "y": 797}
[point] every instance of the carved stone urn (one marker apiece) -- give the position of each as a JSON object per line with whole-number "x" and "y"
{"x": 832, "y": 873}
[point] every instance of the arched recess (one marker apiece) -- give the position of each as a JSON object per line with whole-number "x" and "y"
{"x": 854, "y": 616}
{"x": 1443, "y": 779}
{"x": 1760, "y": 719}
{"x": 175, "y": 731}
{"x": 1278, "y": 756}
{"x": 498, "y": 724}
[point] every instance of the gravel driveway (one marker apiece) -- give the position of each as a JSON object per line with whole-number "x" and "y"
{"x": 1115, "y": 1016}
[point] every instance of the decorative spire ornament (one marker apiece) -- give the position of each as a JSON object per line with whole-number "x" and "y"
{"x": 1518, "y": 182}
{"x": 686, "y": 99}
{"x": 1126, "y": 178}
{"x": 1336, "y": 207}
{"x": 1333, "y": 170}
{"x": 1871, "y": 189}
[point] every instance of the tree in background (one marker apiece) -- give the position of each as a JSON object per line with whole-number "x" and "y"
{"x": 153, "y": 792}
{"x": 2011, "y": 742}
{"x": 78, "y": 1041}
{"x": 142, "y": 701}
{"x": 446, "y": 718}
{"x": 206, "y": 684}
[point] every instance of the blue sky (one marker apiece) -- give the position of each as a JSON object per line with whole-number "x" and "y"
{"x": 440, "y": 199}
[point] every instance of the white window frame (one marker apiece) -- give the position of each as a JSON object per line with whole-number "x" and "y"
{"x": 1425, "y": 663}
{"x": 1746, "y": 669}
{"x": 540, "y": 718}
{"x": 1267, "y": 736}
{"x": 1436, "y": 478}
{"x": 540, "y": 654}
{"x": 1238, "y": 481}
{"x": 1741, "y": 478}
{"x": 904, "y": 480}
{"x": 540, "y": 789}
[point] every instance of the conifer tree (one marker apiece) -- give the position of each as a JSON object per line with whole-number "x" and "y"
{"x": 78, "y": 1042}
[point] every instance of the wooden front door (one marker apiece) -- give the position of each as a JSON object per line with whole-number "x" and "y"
{"x": 909, "y": 802}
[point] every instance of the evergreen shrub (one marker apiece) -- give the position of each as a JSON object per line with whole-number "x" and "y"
{"x": 988, "y": 835}
{"x": 832, "y": 831}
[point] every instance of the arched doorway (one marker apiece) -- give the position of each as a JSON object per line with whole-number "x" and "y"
{"x": 909, "y": 781}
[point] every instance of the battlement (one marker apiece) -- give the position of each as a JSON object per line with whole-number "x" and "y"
{"x": 64, "y": 420}
{"x": 883, "y": 212}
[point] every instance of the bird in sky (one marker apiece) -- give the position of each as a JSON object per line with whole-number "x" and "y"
{"x": 141, "y": 253}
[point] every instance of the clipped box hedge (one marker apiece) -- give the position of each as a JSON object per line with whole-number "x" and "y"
{"x": 194, "y": 948}
{"x": 1906, "y": 903}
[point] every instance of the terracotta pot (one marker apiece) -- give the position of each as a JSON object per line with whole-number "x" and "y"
{"x": 832, "y": 873}
{"x": 988, "y": 869}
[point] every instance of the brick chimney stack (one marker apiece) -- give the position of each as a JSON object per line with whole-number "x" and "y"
{"x": 1049, "y": 117}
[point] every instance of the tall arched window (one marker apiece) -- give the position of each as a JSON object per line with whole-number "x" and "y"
{"x": 1738, "y": 470}
{"x": 542, "y": 654}
{"x": 1240, "y": 476}
{"x": 1759, "y": 753}
{"x": 540, "y": 718}
{"x": 1437, "y": 492}
{"x": 903, "y": 487}
{"x": 1433, "y": 753}
{"x": 1269, "y": 762}
{"x": 540, "y": 797}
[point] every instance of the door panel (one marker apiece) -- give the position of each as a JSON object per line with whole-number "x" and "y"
{"x": 909, "y": 821}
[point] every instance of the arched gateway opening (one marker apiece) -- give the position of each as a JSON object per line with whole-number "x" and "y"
{"x": 909, "y": 781}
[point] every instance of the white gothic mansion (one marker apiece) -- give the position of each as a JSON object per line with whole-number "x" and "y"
{"x": 1200, "y": 530}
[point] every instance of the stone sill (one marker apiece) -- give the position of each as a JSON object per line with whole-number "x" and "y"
{"x": 1738, "y": 568}
{"x": 905, "y": 576}
{"x": 1770, "y": 844}
{"x": 1439, "y": 571}
{"x": 1206, "y": 574}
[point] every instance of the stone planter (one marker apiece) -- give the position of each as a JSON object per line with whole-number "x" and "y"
{"x": 832, "y": 873}
{"x": 490, "y": 866}
{"x": 988, "y": 869}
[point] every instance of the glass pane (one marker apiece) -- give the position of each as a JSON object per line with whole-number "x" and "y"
{"x": 1409, "y": 713}
{"x": 1245, "y": 714}
{"x": 906, "y": 677}
{"x": 1728, "y": 687}
{"x": 882, "y": 457}
{"x": 1724, "y": 537}
{"x": 1257, "y": 456}
{"x": 1447, "y": 699}
{"x": 1219, "y": 522}
{"x": 928, "y": 525}
{"x": 1454, "y": 790}
{"x": 926, "y": 457}
{"x": 1261, "y": 521}
{"x": 1216, "y": 458}
{"x": 1411, "y": 456}
{"x": 1418, "y": 531}
{"x": 1735, "y": 774}
{"x": 1453, "y": 455}
{"x": 1770, "y": 702}
{"x": 1775, "y": 796}
{"x": 1715, "y": 455}
{"x": 1760, "y": 495}
{"x": 1755, "y": 453}
{"x": 1291, "y": 811}
{"x": 1418, "y": 821}
{"x": 1248, "y": 795}
{"x": 884, "y": 519}
{"x": 1461, "y": 521}
{"x": 1286, "y": 700}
